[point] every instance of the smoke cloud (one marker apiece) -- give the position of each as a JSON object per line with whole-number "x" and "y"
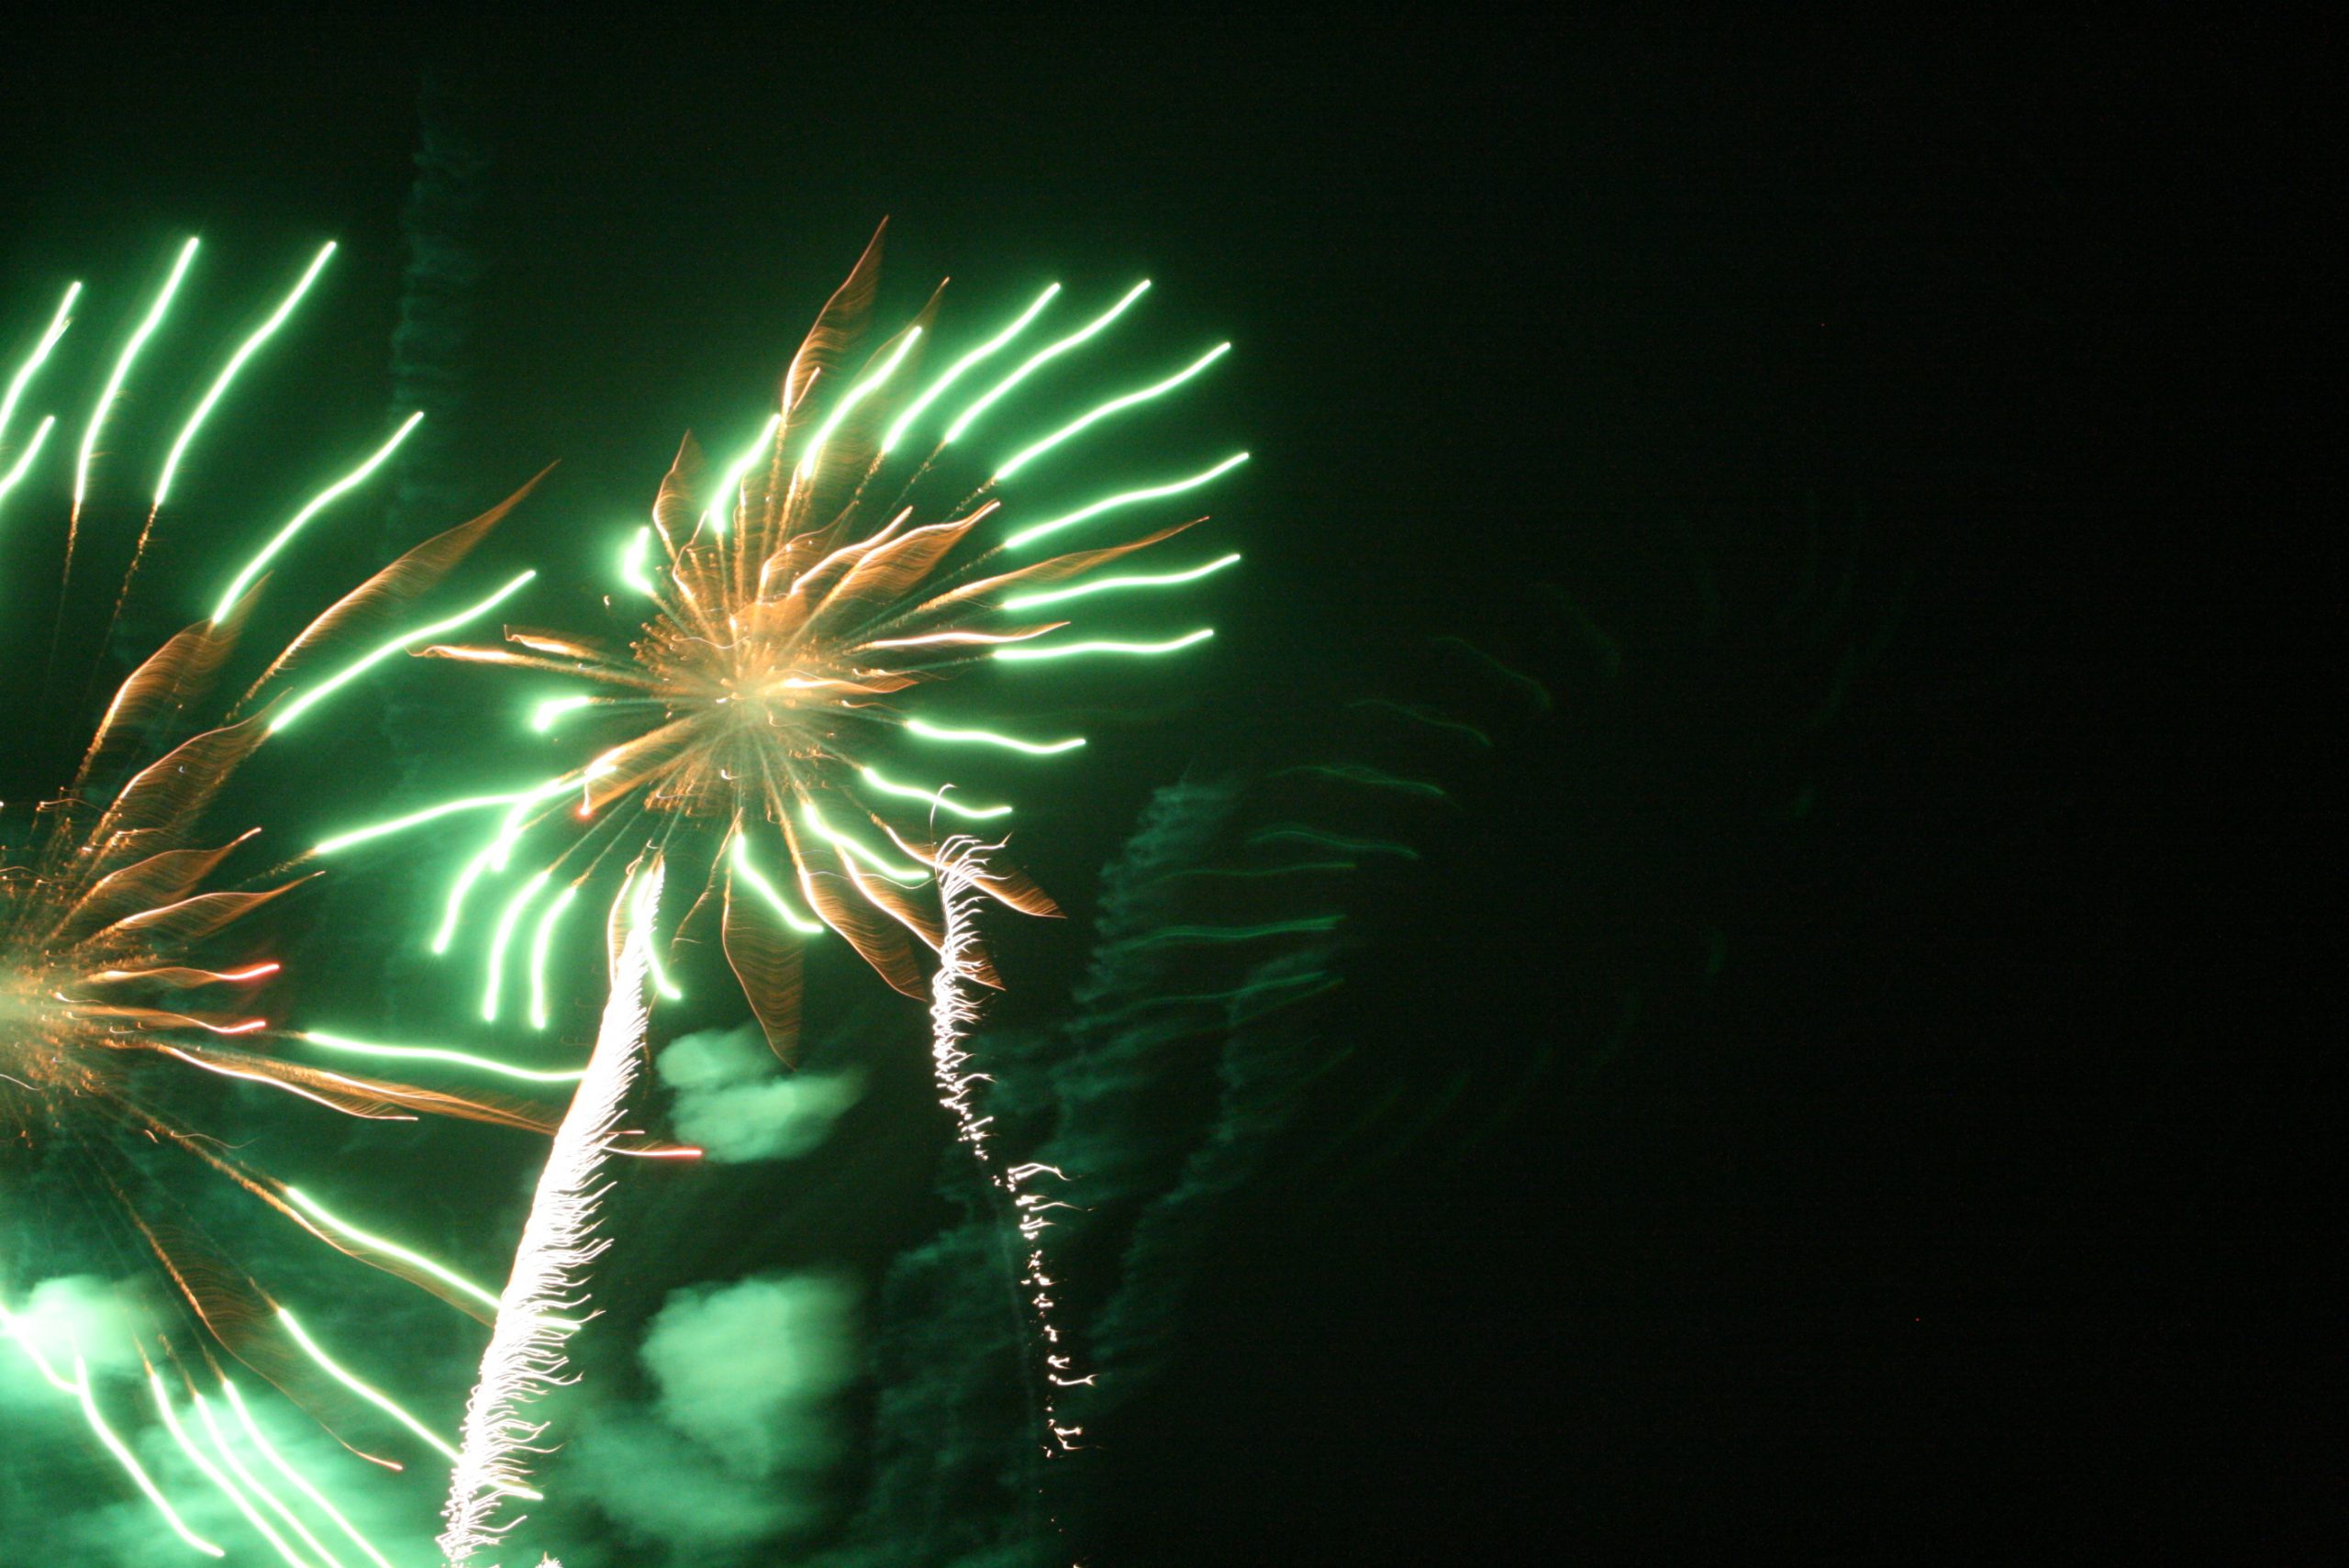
{"x": 70, "y": 1315}
{"x": 443, "y": 272}
{"x": 734, "y": 1103}
{"x": 736, "y": 1444}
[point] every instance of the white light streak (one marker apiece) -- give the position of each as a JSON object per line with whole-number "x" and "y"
{"x": 549, "y": 1282}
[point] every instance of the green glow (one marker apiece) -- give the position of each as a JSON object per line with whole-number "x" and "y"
{"x": 644, "y": 910}
{"x": 1165, "y": 580}
{"x": 434, "y": 1053}
{"x": 721, "y": 505}
{"x": 539, "y": 936}
{"x": 937, "y": 798}
{"x": 145, "y": 329}
{"x": 909, "y": 875}
{"x": 1418, "y": 715}
{"x": 502, "y": 936}
{"x": 1293, "y": 869}
{"x": 632, "y": 559}
{"x": 1243, "y": 933}
{"x": 374, "y": 1395}
{"x": 318, "y": 1499}
{"x": 25, "y": 460}
{"x": 855, "y": 396}
{"x": 954, "y": 372}
{"x": 1068, "y": 649}
{"x": 447, "y": 809}
{"x": 38, "y": 358}
{"x": 129, "y": 1462}
{"x": 1375, "y": 778}
{"x": 1040, "y": 358}
{"x": 989, "y": 738}
{"x": 1127, "y": 498}
{"x": 317, "y": 504}
{"x": 741, "y": 854}
{"x": 1239, "y": 1014}
{"x": 333, "y": 683}
{"x": 1319, "y": 980}
{"x": 1116, "y": 403}
{"x": 237, "y": 362}
{"x": 318, "y": 1211}
{"x": 204, "y": 1466}
{"x": 1534, "y": 690}
{"x": 1332, "y": 841}
{"x": 253, "y": 1485}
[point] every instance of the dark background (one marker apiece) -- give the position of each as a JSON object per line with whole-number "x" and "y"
{"x": 1850, "y": 1089}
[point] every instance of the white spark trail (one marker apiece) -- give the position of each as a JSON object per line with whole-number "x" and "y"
{"x": 953, "y": 1008}
{"x": 537, "y": 1315}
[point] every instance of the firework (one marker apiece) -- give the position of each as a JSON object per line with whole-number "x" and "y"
{"x": 759, "y": 724}
{"x": 118, "y": 975}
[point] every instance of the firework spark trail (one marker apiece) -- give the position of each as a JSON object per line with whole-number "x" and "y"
{"x": 342, "y": 1226}
{"x": 352, "y": 672}
{"x": 22, "y": 379}
{"x": 219, "y": 387}
{"x": 1124, "y": 499}
{"x": 954, "y": 372}
{"x": 79, "y": 1390}
{"x": 38, "y": 356}
{"x": 129, "y": 355}
{"x": 319, "y": 502}
{"x": 196, "y": 419}
{"x": 25, "y": 460}
{"x": 300, "y": 1483}
{"x": 953, "y": 1008}
{"x": 1066, "y": 650}
{"x": 1106, "y": 584}
{"x": 87, "y": 452}
{"x": 433, "y": 1054}
{"x": 211, "y": 1472}
{"x": 1038, "y": 360}
{"x": 129, "y": 1462}
{"x": 526, "y": 1350}
{"x": 253, "y": 1483}
{"x": 1116, "y": 404}
{"x": 360, "y": 1387}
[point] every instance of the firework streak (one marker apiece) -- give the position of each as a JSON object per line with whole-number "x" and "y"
{"x": 953, "y": 1008}
{"x": 549, "y": 1282}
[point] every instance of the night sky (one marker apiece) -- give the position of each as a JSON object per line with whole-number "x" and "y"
{"x": 1837, "y": 1074}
